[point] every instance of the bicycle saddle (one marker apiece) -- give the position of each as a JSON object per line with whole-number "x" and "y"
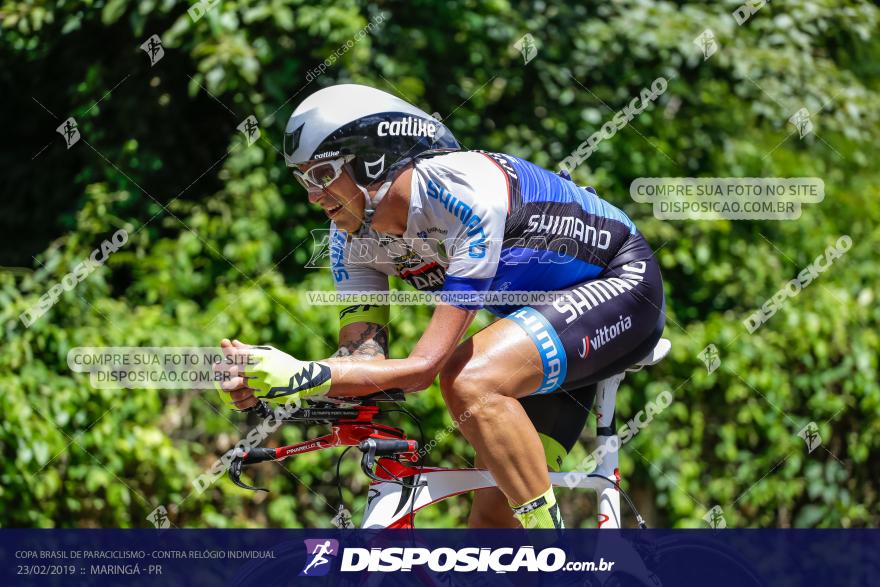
{"x": 660, "y": 350}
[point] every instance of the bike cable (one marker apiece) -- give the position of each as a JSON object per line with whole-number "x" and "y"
{"x": 338, "y": 478}
{"x": 420, "y": 463}
{"x": 632, "y": 506}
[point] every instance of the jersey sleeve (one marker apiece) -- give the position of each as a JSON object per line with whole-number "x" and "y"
{"x": 354, "y": 278}
{"x": 471, "y": 202}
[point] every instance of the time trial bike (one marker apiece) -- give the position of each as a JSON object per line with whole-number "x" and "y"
{"x": 402, "y": 485}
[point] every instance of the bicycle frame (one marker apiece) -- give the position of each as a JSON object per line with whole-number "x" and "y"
{"x": 389, "y": 457}
{"x": 391, "y": 506}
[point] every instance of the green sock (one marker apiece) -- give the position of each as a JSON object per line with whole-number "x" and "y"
{"x": 540, "y": 513}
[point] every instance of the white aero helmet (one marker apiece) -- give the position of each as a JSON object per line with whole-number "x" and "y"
{"x": 381, "y": 132}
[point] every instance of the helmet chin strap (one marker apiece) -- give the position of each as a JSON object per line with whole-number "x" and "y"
{"x": 371, "y": 203}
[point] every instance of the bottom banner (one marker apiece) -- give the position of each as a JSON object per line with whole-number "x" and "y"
{"x": 440, "y": 557}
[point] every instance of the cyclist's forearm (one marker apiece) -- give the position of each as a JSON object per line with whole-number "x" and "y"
{"x": 353, "y": 378}
{"x": 414, "y": 373}
{"x": 364, "y": 341}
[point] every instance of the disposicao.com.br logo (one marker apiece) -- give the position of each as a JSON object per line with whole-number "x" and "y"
{"x": 443, "y": 559}
{"x": 468, "y": 559}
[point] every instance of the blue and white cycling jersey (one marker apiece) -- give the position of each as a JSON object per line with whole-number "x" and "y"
{"x": 483, "y": 221}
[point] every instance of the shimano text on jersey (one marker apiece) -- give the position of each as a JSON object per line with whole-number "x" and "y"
{"x": 569, "y": 226}
{"x": 473, "y": 224}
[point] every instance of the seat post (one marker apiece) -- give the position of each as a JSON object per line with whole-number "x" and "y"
{"x": 607, "y": 459}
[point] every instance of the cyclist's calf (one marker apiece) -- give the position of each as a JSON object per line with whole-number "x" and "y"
{"x": 480, "y": 383}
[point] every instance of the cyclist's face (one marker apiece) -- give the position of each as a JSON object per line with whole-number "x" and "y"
{"x": 341, "y": 200}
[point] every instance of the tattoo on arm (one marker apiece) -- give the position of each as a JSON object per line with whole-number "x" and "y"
{"x": 369, "y": 344}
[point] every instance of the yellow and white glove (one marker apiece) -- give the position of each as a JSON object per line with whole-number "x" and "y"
{"x": 277, "y": 374}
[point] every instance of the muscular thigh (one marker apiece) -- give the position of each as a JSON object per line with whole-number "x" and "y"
{"x": 501, "y": 359}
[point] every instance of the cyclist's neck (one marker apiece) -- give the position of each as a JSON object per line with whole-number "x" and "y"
{"x": 392, "y": 212}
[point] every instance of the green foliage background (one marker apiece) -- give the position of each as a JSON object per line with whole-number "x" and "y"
{"x": 220, "y": 234}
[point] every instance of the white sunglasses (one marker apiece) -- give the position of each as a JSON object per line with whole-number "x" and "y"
{"x": 321, "y": 175}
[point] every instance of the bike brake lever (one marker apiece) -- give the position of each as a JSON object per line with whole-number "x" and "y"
{"x": 368, "y": 461}
{"x": 235, "y": 475}
{"x": 261, "y": 408}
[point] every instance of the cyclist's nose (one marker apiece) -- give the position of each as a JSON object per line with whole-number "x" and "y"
{"x": 315, "y": 196}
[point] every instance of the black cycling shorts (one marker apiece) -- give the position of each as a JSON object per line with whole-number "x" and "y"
{"x": 604, "y": 326}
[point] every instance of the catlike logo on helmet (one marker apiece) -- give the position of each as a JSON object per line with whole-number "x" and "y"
{"x": 408, "y": 127}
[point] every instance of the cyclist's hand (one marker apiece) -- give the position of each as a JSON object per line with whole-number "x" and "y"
{"x": 278, "y": 375}
{"x": 232, "y": 384}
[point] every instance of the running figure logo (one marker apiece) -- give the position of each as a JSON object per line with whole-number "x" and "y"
{"x": 154, "y": 49}
{"x": 250, "y": 129}
{"x": 318, "y": 553}
{"x": 801, "y": 121}
{"x": 707, "y": 43}
{"x": 526, "y": 45}
{"x": 70, "y": 131}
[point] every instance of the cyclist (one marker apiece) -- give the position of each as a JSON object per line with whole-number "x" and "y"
{"x": 404, "y": 198}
